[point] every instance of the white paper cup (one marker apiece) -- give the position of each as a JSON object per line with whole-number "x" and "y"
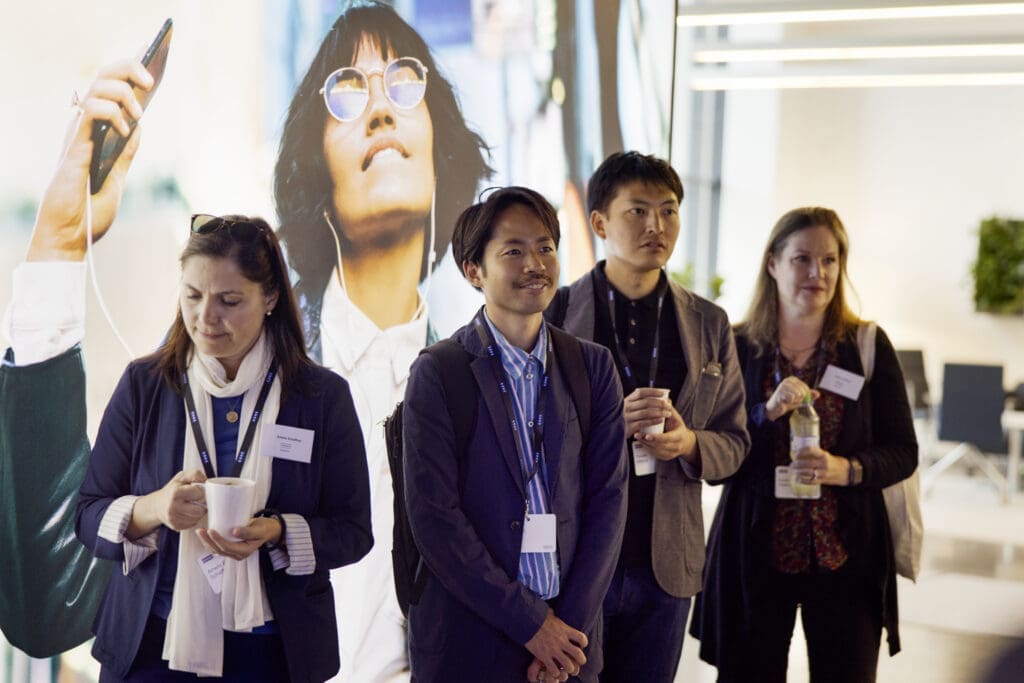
{"x": 660, "y": 427}
{"x": 229, "y": 502}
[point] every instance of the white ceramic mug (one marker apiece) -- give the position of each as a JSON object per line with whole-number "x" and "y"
{"x": 229, "y": 503}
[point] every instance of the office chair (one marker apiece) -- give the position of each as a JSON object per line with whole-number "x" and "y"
{"x": 912, "y": 364}
{"x": 972, "y": 403}
{"x": 1017, "y": 397}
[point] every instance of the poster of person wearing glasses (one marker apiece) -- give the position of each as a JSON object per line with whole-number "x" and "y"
{"x": 360, "y": 131}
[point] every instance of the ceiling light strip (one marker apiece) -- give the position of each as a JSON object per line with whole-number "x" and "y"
{"x": 718, "y": 15}
{"x": 787, "y": 82}
{"x": 723, "y": 54}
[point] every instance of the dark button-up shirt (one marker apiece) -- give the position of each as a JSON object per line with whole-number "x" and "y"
{"x": 637, "y": 323}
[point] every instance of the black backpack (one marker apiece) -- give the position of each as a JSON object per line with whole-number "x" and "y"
{"x": 457, "y": 379}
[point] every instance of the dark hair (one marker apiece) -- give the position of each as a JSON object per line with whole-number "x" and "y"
{"x": 258, "y": 257}
{"x": 625, "y": 167}
{"x": 761, "y": 325}
{"x": 302, "y": 181}
{"x": 475, "y": 225}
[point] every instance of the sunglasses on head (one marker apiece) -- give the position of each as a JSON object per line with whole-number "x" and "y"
{"x": 204, "y": 224}
{"x": 347, "y": 91}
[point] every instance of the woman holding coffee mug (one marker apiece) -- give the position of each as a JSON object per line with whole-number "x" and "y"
{"x": 230, "y": 393}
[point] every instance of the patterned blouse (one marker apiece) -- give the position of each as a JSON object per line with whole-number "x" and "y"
{"x": 805, "y": 533}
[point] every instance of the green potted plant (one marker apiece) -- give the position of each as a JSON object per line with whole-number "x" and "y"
{"x": 686, "y": 278}
{"x": 999, "y": 270}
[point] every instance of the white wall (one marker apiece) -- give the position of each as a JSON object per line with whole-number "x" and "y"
{"x": 911, "y": 172}
{"x": 749, "y": 161}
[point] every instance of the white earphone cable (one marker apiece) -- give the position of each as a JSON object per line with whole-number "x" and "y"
{"x": 92, "y": 267}
{"x": 431, "y": 257}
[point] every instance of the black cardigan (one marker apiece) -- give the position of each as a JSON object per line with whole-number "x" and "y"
{"x": 878, "y": 429}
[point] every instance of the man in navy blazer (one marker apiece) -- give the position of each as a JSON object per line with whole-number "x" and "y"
{"x": 520, "y": 533}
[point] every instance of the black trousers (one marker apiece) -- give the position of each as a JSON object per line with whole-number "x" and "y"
{"x": 842, "y": 621}
{"x": 248, "y": 657}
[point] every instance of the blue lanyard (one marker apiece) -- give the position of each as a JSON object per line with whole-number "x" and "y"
{"x": 197, "y": 431}
{"x": 537, "y": 431}
{"x": 620, "y": 350}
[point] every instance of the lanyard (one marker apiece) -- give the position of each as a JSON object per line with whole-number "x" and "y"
{"x": 537, "y": 431}
{"x": 621, "y": 350}
{"x": 250, "y": 431}
{"x": 818, "y": 365}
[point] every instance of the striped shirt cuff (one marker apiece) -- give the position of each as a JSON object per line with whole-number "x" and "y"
{"x": 298, "y": 548}
{"x": 279, "y": 558}
{"x": 113, "y": 527}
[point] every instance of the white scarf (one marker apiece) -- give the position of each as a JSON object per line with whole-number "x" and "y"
{"x": 198, "y": 617}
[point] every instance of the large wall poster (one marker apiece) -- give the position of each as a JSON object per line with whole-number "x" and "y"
{"x": 545, "y": 90}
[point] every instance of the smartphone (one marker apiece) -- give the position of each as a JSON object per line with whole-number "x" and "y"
{"x": 107, "y": 143}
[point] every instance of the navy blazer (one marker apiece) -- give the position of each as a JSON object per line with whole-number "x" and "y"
{"x": 140, "y": 446}
{"x": 466, "y": 513}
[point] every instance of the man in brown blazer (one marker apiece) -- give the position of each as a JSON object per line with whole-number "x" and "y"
{"x": 665, "y": 340}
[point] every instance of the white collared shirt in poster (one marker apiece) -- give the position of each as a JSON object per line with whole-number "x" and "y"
{"x": 46, "y": 314}
{"x": 376, "y": 363}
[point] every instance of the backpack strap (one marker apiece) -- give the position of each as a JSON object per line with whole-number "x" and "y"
{"x": 459, "y": 384}
{"x": 866, "y": 332}
{"x": 574, "y": 371}
{"x": 558, "y": 308}
{"x": 458, "y": 381}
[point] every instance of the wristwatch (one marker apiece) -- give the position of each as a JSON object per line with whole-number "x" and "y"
{"x": 275, "y": 514}
{"x": 856, "y": 473}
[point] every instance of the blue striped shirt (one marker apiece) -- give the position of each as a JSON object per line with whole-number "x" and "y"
{"x": 525, "y": 371}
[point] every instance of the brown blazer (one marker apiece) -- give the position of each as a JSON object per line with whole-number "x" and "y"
{"x": 711, "y": 402}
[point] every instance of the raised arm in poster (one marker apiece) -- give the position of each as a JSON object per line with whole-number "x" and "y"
{"x": 50, "y": 585}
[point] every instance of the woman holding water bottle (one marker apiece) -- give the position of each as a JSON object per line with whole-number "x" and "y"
{"x": 230, "y": 394}
{"x": 803, "y": 522}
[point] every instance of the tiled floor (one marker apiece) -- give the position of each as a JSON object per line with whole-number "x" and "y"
{"x": 966, "y": 608}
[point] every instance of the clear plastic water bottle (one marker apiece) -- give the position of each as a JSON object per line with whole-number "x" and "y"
{"x": 804, "y": 431}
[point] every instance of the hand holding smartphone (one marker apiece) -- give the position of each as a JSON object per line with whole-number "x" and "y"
{"x": 107, "y": 142}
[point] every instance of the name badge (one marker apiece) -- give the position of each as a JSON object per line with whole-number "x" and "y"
{"x": 539, "y": 534}
{"x": 213, "y": 569}
{"x": 287, "y": 443}
{"x": 643, "y": 460}
{"x": 784, "y": 489}
{"x": 843, "y": 382}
